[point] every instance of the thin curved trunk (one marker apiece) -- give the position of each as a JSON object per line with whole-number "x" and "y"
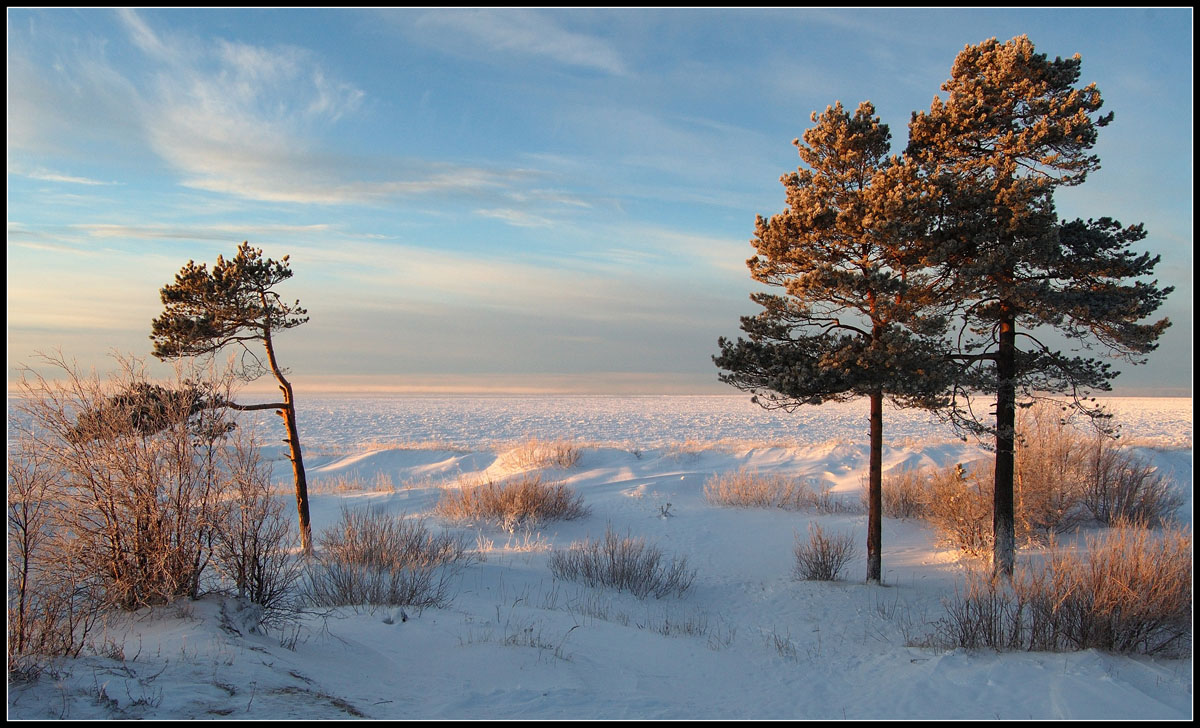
{"x": 288, "y": 412}
{"x": 289, "y": 418}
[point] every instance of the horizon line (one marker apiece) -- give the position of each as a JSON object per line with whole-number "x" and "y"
{"x": 555, "y": 384}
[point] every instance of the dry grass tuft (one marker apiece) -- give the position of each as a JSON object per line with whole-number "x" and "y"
{"x": 905, "y": 495}
{"x": 685, "y": 450}
{"x": 535, "y": 454}
{"x": 626, "y": 564}
{"x": 524, "y": 541}
{"x": 515, "y": 504}
{"x": 748, "y": 489}
{"x": 382, "y": 482}
{"x": 371, "y": 558}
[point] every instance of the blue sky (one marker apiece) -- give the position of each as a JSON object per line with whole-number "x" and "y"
{"x": 504, "y": 200}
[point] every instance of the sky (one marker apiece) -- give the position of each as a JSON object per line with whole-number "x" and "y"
{"x": 504, "y": 200}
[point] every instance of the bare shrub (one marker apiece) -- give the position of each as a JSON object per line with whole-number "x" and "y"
{"x": 254, "y": 539}
{"x": 905, "y": 495}
{"x": 1050, "y": 465}
{"x": 823, "y": 557}
{"x": 52, "y": 602}
{"x": 121, "y": 488}
{"x": 534, "y": 454}
{"x": 514, "y": 504}
{"x": 1047, "y": 488}
{"x": 142, "y": 499}
{"x": 1119, "y": 487}
{"x": 1065, "y": 477}
{"x": 960, "y": 504}
{"x": 626, "y": 564}
{"x": 960, "y": 509}
{"x": 984, "y": 612}
{"x": 372, "y": 558}
{"x": 29, "y": 482}
{"x": 1131, "y": 594}
{"x": 748, "y": 489}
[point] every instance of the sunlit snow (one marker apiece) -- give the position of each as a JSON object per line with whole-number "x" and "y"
{"x": 747, "y": 641}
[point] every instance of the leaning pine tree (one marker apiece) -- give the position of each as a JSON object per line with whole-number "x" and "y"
{"x": 1013, "y": 128}
{"x": 857, "y": 316}
{"x": 235, "y": 304}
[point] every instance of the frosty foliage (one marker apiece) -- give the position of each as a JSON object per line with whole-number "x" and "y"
{"x": 126, "y": 493}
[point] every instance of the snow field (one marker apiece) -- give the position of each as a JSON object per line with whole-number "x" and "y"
{"x": 745, "y": 641}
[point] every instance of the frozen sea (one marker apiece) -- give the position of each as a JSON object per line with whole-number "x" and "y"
{"x": 657, "y": 421}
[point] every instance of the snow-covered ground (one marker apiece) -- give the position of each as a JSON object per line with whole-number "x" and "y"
{"x": 746, "y": 641}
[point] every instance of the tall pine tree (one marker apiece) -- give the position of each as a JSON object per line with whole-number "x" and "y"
{"x": 856, "y": 317}
{"x": 235, "y": 304}
{"x": 1013, "y": 128}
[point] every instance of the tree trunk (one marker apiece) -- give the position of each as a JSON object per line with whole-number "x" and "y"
{"x": 875, "y": 493}
{"x": 288, "y": 413}
{"x": 1006, "y": 415}
{"x": 293, "y": 439}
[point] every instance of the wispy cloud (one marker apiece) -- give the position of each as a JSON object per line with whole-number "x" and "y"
{"x": 245, "y": 121}
{"x": 192, "y": 232}
{"x": 516, "y": 218}
{"x": 237, "y": 119}
{"x": 521, "y": 33}
{"x": 309, "y": 179}
{"x": 718, "y": 258}
{"x": 142, "y": 36}
{"x": 46, "y": 175}
{"x": 64, "y": 107}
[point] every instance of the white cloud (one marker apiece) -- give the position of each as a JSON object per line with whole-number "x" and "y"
{"x": 233, "y": 118}
{"x": 516, "y": 218}
{"x": 245, "y": 121}
{"x": 520, "y": 32}
{"x": 46, "y": 175}
{"x": 192, "y": 232}
{"x": 143, "y": 36}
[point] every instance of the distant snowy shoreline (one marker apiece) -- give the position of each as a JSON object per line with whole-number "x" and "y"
{"x": 658, "y": 420}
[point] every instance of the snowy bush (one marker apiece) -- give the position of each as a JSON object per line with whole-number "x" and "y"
{"x": 626, "y": 564}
